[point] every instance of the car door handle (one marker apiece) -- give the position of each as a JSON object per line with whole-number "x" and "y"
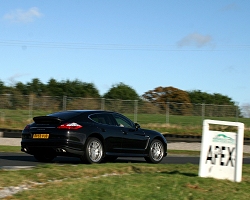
{"x": 141, "y": 134}
{"x": 124, "y": 132}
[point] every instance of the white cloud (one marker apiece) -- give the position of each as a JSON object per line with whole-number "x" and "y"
{"x": 23, "y": 16}
{"x": 195, "y": 39}
{"x": 13, "y": 78}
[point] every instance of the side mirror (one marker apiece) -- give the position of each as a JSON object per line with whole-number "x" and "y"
{"x": 137, "y": 126}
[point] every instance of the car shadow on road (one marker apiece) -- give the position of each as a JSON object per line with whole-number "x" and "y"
{"x": 17, "y": 158}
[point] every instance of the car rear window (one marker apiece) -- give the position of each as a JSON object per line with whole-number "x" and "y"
{"x": 65, "y": 115}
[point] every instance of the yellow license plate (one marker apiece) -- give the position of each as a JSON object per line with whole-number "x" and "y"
{"x": 41, "y": 136}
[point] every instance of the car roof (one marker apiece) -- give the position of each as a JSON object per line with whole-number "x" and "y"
{"x": 86, "y": 111}
{"x": 67, "y": 114}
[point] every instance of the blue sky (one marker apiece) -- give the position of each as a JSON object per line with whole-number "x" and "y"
{"x": 191, "y": 45}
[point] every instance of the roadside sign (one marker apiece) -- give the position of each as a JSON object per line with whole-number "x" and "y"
{"x": 221, "y": 154}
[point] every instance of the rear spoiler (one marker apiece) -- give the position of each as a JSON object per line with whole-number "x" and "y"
{"x": 47, "y": 120}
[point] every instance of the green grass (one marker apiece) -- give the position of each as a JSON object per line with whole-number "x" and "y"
{"x": 182, "y": 125}
{"x": 182, "y": 120}
{"x": 11, "y": 149}
{"x": 122, "y": 181}
{"x": 175, "y": 124}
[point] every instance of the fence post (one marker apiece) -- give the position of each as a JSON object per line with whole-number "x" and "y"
{"x": 30, "y": 105}
{"x": 202, "y": 112}
{"x": 167, "y": 113}
{"x": 135, "y": 110}
{"x": 64, "y": 102}
{"x": 2, "y": 116}
{"x": 237, "y": 111}
{"x": 102, "y": 103}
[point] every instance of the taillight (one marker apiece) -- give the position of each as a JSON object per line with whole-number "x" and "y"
{"x": 27, "y": 127}
{"x": 70, "y": 126}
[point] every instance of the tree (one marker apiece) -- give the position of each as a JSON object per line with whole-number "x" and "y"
{"x": 121, "y": 91}
{"x": 5, "y": 89}
{"x": 1, "y": 87}
{"x": 77, "y": 88}
{"x": 22, "y": 88}
{"x": 36, "y": 87}
{"x": 166, "y": 94}
{"x": 74, "y": 88}
{"x": 54, "y": 88}
{"x": 177, "y": 100}
{"x": 217, "y": 104}
{"x": 197, "y": 96}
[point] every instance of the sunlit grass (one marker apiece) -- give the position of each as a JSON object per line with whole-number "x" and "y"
{"x": 122, "y": 181}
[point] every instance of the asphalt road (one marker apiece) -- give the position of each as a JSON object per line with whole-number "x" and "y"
{"x": 22, "y": 160}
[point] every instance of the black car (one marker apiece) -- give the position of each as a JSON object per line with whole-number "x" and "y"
{"x": 92, "y": 135}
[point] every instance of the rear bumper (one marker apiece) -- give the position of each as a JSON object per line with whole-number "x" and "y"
{"x": 56, "y": 147}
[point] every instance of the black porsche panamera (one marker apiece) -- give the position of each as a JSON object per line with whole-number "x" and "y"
{"x": 92, "y": 135}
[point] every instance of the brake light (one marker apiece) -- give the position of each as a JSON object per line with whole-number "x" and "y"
{"x": 70, "y": 126}
{"x": 27, "y": 127}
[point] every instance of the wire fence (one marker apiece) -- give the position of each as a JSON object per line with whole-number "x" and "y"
{"x": 19, "y": 110}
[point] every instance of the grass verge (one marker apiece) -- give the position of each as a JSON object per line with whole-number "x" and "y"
{"x": 122, "y": 181}
{"x": 11, "y": 149}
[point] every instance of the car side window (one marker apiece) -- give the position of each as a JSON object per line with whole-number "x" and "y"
{"x": 123, "y": 122}
{"x": 98, "y": 118}
{"x": 101, "y": 118}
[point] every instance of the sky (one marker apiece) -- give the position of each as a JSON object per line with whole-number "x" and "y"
{"x": 190, "y": 45}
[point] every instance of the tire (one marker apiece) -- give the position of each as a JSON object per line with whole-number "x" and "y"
{"x": 93, "y": 151}
{"x": 156, "y": 152}
{"x": 44, "y": 157}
